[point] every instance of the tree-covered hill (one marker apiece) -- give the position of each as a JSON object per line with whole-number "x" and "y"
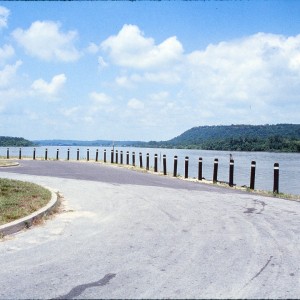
{"x": 204, "y": 133}
{"x": 280, "y": 137}
{"x": 6, "y": 141}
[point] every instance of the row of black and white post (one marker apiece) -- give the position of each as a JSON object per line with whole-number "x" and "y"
{"x": 115, "y": 159}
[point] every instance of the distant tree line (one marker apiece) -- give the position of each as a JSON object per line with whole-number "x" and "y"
{"x": 270, "y": 144}
{"x": 280, "y": 138}
{"x": 6, "y": 141}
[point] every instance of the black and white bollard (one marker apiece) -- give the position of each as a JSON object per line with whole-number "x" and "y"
{"x": 147, "y": 162}
{"x": 121, "y": 157}
{"x": 112, "y": 156}
{"x": 215, "y": 174}
{"x": 165, "y": 164}
{"x": 117, "y": 156}
{"x": 88, "y": 154}
{"x": 186, "y": 167}
{"x": 252, "y": 175}
{"x": 68, "y": 154}
{"x": 57, "y": 154}
{"x": 77, "y": 154}
{"x": 104, "y": 156}
{"x": 231, "y": 170}
{"x": 200, "y": 169}
{"x": 20, "y": 153}
{"x": 133, "y": 159}
{"x": 155, "y": 162}
{"x": 141, "y": 160}
{"x": 7, "y": 153}
{"x": 97, "y": 154}
{"x": 46, "y": 154}
{"x": 127, "y": 157}
{"x": 175, "y": 166}
{"x": 33, "y": 153}
{"x": 276, "y": 179}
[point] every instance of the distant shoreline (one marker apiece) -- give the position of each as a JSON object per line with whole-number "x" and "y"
{"x": 283, "y": 138}
{"x": 263, "y": 138}
{"x": 145, "y": 147}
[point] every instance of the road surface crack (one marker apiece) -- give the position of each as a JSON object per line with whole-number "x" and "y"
{"x": 259, "y": 272}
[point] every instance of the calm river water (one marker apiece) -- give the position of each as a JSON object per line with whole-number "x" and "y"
{"x": 289, "y": 163}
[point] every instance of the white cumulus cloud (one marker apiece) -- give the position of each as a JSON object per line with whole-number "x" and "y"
{"x": 100, "y": 98}
{"x": 124, "y": 81}
{"x": 6, "y": 52}
{"x": 135, "y": 104}
{"x": 8, "y": 73}
{"x": 262, "y": 67}
{"x": 255, "y": 80}
{"x": 92, "y": 48}
{"x": 45, "y": 40}
{"x": 4, "y": 13}
{"x": 50, "y": 89}
{"x": 101, "y": 62}
{"x": 129, "y": 48}
{"x": 160, "y": 77}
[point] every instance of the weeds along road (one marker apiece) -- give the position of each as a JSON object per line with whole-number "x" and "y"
{"x": 126, "y": 234}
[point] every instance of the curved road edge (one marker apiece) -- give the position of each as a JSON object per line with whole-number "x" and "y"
{"x": 26, "y": 222}
{"x": 10, "y": 164}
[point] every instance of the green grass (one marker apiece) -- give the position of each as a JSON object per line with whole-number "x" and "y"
{"x": 19, "y": 199}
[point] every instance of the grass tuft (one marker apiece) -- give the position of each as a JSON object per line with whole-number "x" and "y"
{"x": 19, "y": 199}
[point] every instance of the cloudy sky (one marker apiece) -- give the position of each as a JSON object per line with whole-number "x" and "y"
{"x": 146, "y": 70}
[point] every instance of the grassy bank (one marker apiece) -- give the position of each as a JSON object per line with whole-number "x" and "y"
{"x": 19, "y": 199}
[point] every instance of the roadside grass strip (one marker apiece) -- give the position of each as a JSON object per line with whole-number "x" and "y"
{"x": 3, "y": 163}
{"x": 19, "y": 199}
{"x": 7, "y": 163}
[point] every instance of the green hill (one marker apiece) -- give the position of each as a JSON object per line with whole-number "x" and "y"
{"x": 280, "y": 137}
{"x": 7, "y": 141}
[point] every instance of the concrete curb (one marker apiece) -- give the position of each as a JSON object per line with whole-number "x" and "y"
{"x": 27, "y": 221}
{"x": 15, "y": 164}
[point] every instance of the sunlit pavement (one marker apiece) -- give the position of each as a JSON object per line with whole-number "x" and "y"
{"x": 124, "y": 237}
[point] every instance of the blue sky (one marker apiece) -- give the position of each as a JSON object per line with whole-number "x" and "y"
{"x": 146, "y": 70}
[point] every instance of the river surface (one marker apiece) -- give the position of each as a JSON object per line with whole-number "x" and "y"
{"x": 289, "y": 163}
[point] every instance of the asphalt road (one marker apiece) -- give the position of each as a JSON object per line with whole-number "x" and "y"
{"x": 103, "y": 173}
{"x": 126, "y": 234}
